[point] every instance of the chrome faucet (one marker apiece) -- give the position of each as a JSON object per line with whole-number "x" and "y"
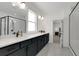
{"x": 17, "y": 34}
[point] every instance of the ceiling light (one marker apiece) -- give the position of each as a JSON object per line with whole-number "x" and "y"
{"x": 13, "y": 4}
{"x": 21, "y": 5}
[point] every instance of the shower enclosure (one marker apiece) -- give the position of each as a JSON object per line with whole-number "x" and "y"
{"x": 74, "y": 30}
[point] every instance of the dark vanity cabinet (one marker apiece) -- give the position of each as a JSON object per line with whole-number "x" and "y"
{"x": 20, "y": 52}
{"x": 22, "y": 49}
{"x": 32, "y": 48}
{"x": 28, "y": 47}
{"x": 9, "y": 49}
{"x": 39, "y": 44}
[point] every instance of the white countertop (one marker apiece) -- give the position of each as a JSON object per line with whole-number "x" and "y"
{"x": 5, "y": 41}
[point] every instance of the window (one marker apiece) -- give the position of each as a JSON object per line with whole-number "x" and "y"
{"x": 32, "y": 21}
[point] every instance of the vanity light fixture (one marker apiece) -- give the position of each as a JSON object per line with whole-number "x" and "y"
{"x": 40, "y": 17}
{"x": 21, "y": 5}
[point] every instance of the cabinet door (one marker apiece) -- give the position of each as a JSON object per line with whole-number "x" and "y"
{"x": 32, "y": 50}
{"x": 47, "y": 38}
{"x": 20, "y": 52}
{"x": 43, "y": 40}
{"x": 40, "y": 43}
{"x": 9, "y": 49}
{"x": 25, "y": 43}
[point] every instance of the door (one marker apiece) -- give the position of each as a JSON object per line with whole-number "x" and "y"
{"x": 58, "y": 32}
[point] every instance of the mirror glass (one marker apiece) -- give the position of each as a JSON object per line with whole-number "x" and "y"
{"x": 16, "y": 25}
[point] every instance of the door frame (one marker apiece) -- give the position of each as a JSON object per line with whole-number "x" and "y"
{"x": 61, "y": 40}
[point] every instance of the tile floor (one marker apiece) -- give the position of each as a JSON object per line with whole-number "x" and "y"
{"x": 56, "y": 39}
{"x": 53, "y": 49}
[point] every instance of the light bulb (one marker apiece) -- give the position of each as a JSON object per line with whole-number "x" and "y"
{"x": 39, "y": 17}
{"x": 13, "y": 3}
{"x": 22, "y": 5}
{"x": 19, "y": 4}
{"x": 42, "y": 18}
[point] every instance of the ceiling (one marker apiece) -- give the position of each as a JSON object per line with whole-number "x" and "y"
{"x": 54, "y": 8}
{"x": 7, "y": 8}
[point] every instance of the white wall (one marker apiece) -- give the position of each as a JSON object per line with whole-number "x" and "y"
{"x": 34, "y": 7}
{"x": 48, "y": 26}
{"x": 66, "y": 27}
{"x": 40, "y": 25}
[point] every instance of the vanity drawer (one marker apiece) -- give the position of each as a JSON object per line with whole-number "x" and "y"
{"x": 9, "y": 49}
{"x": 25, "y": 43}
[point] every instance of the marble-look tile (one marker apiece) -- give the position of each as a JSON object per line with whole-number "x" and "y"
{"x": 54, "y": 50}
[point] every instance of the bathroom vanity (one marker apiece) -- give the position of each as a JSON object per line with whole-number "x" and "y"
{"x": 28, "y": 45}
{"x": 15, "y": 42}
